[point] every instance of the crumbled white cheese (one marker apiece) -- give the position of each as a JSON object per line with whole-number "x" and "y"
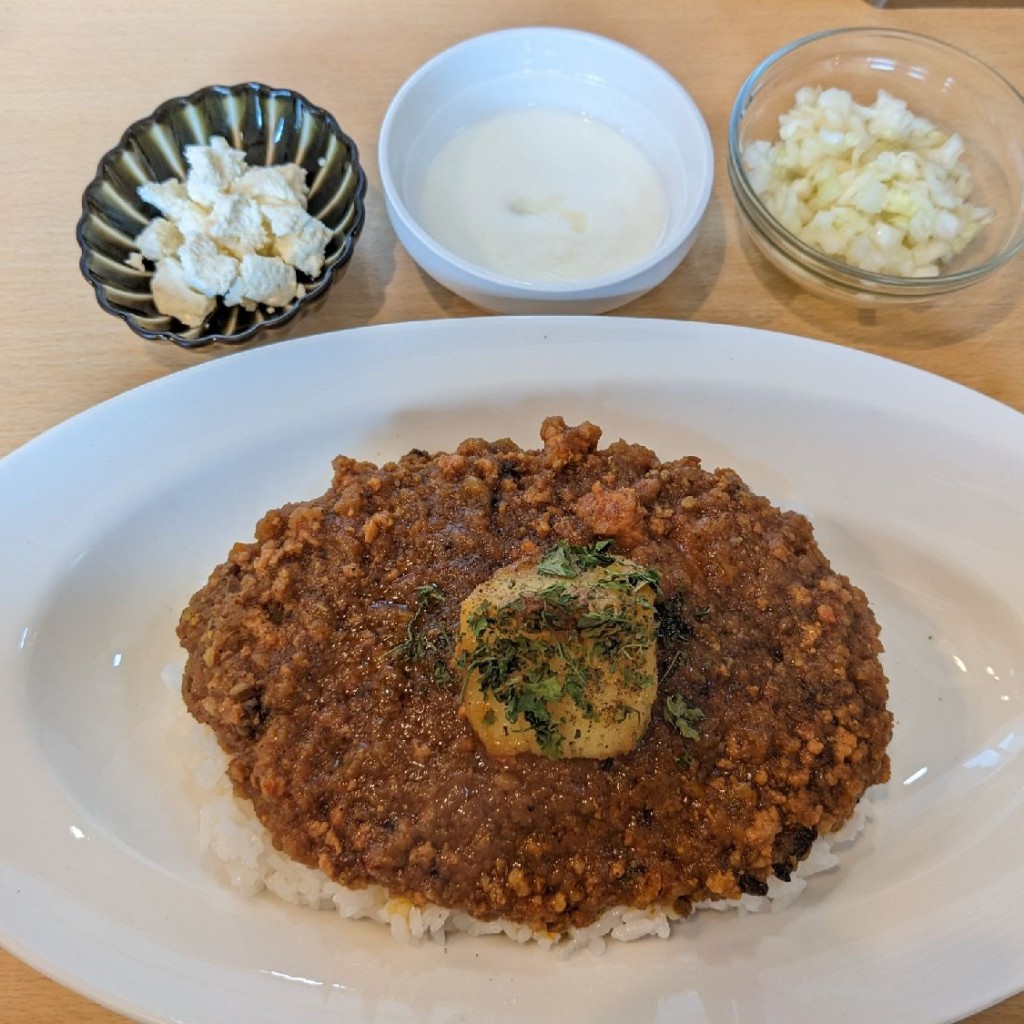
{"x": 283, "y": 219}
{"x": 169, "y": 197}
{"x": 263, "y": 279}
{"x": 159, "y": 238}
{"x": 206, "y": 268}
{"x": 229, "y": 231}
{"x": 172, "y": 292}
{"x": 213, "y": 169}
{"x": 304, "y": 247}
{"x": 237, "y": 224}
{"x": 285, "y": 183}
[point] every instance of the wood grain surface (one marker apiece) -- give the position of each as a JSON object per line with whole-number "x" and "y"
{"x": 74, "y": 75}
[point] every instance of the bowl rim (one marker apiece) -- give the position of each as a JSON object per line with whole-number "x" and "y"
{"x": 287, "y": 313}
{"x": 514, "y": 287}
{"x": 845, "y": 274}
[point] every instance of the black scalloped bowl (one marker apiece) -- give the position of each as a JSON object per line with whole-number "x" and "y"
{"x": 272, "y": 126}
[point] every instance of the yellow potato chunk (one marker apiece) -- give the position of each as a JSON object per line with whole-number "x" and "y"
{"x": 558, "y": 657}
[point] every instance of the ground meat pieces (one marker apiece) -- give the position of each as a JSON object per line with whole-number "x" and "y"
{"x": 617, "y": 513}
{"x": 324, "y": 671}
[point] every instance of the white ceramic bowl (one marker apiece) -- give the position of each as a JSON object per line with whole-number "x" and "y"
{"x": 546, "y": 69}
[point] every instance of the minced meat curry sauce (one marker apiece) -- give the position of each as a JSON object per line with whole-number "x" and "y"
{"x": 322, "y": 657}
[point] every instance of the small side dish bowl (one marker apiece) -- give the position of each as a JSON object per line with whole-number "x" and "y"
{"x": 953, "y": 90}
{"x": 602, "y": 87}
{"x": 271, "y": 126}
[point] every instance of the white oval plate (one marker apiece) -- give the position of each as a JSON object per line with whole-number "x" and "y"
{"x": 110, "y": 521}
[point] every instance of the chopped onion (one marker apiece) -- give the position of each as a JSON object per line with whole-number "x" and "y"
{"x": 874, "y": 186}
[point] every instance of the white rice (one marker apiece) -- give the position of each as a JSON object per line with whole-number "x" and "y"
{"x": 230, "y": 831}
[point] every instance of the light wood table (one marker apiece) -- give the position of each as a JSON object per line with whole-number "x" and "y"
{"x": 75, "y": 75}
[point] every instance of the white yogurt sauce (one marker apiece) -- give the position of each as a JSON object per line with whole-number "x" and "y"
{"x": 544, "y": 196}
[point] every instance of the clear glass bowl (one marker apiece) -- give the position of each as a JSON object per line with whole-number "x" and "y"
{"x": 954, "y": 90}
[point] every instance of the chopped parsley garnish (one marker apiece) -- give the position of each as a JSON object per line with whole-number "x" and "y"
{"x": 623, "y": 711}
{"x": 554, "y": 647}
{"x": 683, "y": 717}
{"x": 569, "y": 560}
{"x": 416, "y": 643}
{"x": 516, "y": 671}
{"x": 632, "y": 580}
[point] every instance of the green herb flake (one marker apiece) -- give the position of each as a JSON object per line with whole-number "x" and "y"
{"x": 417, "y": 644}
{"x": 631, "y": 580}
{"x": 476, "y": 623}
{"x": 623, "y": 711}
{"x": 430, "y": 593}
{"x": 598, "y": 618}
{"x": 521, "y": 659}
{"x": 677, "y": 657}
{"x": 567, "y": 561}
{"x": 683, "y": 717}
